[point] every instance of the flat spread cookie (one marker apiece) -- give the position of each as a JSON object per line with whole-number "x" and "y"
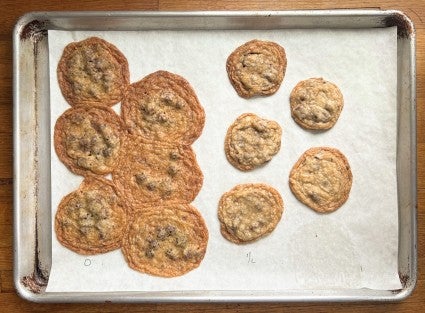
{"x": 92, "y": 219}
{"x": 257, "y": 68}
{"x": 150, "y": 172}
{"x": 166, "y": 241}
{"x": 321, "y": 179}
{"x": 316, "y": 103}
{"x": 249, "y": 212}
{"x": 88, "y": 139}
{"x": 163, "y": 107}
{"x": 93, "y": 71}
{"x": 252, "y": 141}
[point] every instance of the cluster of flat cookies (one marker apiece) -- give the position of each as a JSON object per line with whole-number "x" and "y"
{"x": 321, "y": 178}
{"x": 145, "y": 209}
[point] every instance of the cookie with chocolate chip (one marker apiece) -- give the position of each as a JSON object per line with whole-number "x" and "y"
{"x": 93, "y": 71}
{"x": 92, "y": 219}
{"x": 257, "y": 68}
{"x": 166, "y": 240}
{"x": 163, "y": 107}
{"x": 316, "y": 104}
{"x": 321, "y": 179}
{"x": 249, "y": 212}
{"x": 88, "y": 139}
{"x": 154, "y": 172}
{"x": 252, "y": 141}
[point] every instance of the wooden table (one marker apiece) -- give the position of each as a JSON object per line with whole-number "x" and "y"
{"x": 9, "y": 13}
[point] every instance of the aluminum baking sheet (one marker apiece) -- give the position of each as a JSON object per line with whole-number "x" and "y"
{"x": 204, "y": 21}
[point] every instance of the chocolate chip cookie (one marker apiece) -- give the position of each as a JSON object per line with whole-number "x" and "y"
{"x": 92, "y": 219}
{"x": 150, "y": 172}
{"x": 257, "y": 68}
{"x": 163, "y": 107}
{"x": 166, "y": 240}
{"x": 321, "y": 179}
{"x": 316, "y": 103}
{"x": 88, "y": 139}
{"x": 249, "y": 212}
{"x": 93, "y": 71}
{"x": 252, "y": 141}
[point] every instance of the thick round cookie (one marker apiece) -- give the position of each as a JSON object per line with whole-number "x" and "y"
{"x": 316, "y": 103}
{"x": 252, "y": 141}
{"x": 93, "y": 71}
{"x": 321, "y": 179}
{"x": 154, "y": 172}
{"x": 257, "y": 68}
{"x": 163, "y": 107}
{"x": 88, "y": 139}
{"x": 249, "y": 212}
{"x": 166, "y": 241}
{"x": 92, "y": 219}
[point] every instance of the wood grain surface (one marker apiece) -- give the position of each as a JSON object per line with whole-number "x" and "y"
{"x": 11, "y": 10}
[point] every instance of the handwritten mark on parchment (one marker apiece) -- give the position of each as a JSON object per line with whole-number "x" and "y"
{"x": 250, "y": 258}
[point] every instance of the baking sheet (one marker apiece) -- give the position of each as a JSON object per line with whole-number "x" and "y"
{"x": 354, "y": 247}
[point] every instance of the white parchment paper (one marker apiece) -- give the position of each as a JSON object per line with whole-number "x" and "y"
{"x": 354, "y": 247}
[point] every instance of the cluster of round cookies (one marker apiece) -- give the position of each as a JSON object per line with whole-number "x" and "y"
{"x": 321, "y": 178}
{"x": 145, "y": 209}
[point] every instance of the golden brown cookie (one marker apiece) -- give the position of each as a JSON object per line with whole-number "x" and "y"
{"x": 257, "y": 68}
{"x": 316, "y": 103}
{"x": 154, "y": 172}
{"x": 249, "y": 212}
{"x": 93, "y": 71}
{"x": 252, "y": 141}
{"x": 321, "y": 179}
{"x": 88, "y": 139}
{"x": 163, "y": 107}
{"x": 167, "y": 241}
{"x": 92, "y": 219}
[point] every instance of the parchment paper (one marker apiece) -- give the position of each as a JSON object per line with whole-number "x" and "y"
{"x": 354, "y": 247}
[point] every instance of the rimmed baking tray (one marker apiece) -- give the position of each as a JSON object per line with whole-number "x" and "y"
{"x": 32, "y": 210}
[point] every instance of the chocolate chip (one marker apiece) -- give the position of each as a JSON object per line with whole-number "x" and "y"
{"x": 150, "y": 253}
{"x": 107, "y": 152}
{"x": 140, "y": 178}
{"x": 174, "y": 155}
{"x": 171, "y": 254}
{"x": 172, "y": 170}
{"x": 153, "y": 244}
{"x": 151, "y": 186}
{"x": 171, "y": 230}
